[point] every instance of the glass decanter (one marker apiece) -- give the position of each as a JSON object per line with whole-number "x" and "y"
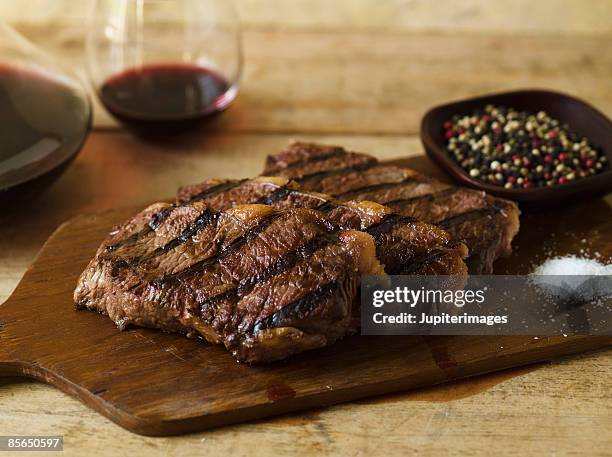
{"x": 45, "y": 116}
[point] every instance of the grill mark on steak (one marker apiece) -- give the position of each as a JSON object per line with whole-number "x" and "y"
{"x": 327, "y": 206}
{"x": 245, "y": 238}
{"x": 371, "y": 162}
{"x": 210, "y": 301}
{"x": 387, "y": 224}
{"x": 129, "y": 240}
{"x": 282, "y": 264}
{"x": 425, "y": 197}
{"x": 285, "y": 191}
{"x": 394, "y": 264}
{"x": 349, "y": 217}
{"x": 416, "y": 262}
{"x": 336, "y": 152}
{"x": 161, "y": 216}
{"x": 215, "y": 190}
{"x": 156, "y": 220}
{"x": 304, "y": 304}
{"x": 277, "y": 195}
{"x": 376, "y": 187}
{"x": 487, "y": 241}
{"x": 289, "y": 259}
{"x": 424, "y": 259}
{"x": 300, "y": 253}
{"x": 205, "y": 218}
{"x": 469, "y": 216}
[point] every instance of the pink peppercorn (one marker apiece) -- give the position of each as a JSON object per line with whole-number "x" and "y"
{"x": 519, "y": 149}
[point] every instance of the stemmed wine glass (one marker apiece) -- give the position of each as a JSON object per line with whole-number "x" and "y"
{"x": 164, "y": 63}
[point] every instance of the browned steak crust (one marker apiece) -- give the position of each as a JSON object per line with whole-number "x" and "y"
{"x": 266, "y": 283}
{"x": 486, "y": 224}
{"x": 404, "y": 244}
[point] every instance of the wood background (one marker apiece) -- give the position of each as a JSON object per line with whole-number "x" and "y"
{"x": 360, "y": 73}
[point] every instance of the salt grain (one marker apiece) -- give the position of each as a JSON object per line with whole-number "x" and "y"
{"x": 572, "y": 265}
{"x": 575, "y": 278}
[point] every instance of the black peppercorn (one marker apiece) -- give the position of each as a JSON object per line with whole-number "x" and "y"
{"x": 519, "y": 149}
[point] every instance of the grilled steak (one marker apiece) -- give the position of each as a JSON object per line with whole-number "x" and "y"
{"x": 403, "y": 244}
{"x": 265, "y": 282}
{"x": 486, "y": 224}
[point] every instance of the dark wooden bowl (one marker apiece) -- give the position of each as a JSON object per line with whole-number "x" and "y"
{"x": 580, "y": 116}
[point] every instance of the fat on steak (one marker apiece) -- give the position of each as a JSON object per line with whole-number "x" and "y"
{"x": 484, "y": 223}
{"x": 266, "y": 283}
{"x": 403, "y": 244}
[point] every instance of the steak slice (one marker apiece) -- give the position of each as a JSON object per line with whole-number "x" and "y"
{"x": 403, "y": 244}
{"x": 485, "y": 223}
{"x": 265, "y": 282}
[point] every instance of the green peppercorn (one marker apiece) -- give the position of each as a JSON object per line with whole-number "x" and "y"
{"x": 519, "y": 149}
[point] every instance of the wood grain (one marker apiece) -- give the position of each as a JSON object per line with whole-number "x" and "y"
{"x": 119, "y": 169}
{"x": 547, "y": 16}
{"x": 580, "y": 386}
{"x": 562, "y": 408}
{"x": 159, "y": 384}
{"x": 350, "y": 82}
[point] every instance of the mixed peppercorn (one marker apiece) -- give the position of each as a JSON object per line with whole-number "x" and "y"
{"x": 519, "y": 149}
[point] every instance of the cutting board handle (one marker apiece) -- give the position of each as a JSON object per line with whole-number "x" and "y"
{"x": 12, "y": 362}
{"x": 156, "y": 383}
{"x": 24, "y": 327}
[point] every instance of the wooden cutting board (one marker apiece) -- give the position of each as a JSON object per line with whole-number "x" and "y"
{"x": 154, "y": 383}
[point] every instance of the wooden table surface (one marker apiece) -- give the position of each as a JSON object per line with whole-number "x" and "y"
{"x": 359, "y": 73}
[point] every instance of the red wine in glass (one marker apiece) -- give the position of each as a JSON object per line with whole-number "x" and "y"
{"x": 45, "y": 121}
{"x": 166, "y": 96}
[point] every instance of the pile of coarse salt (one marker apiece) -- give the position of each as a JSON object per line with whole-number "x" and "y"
{"x": 573, "y": 277}
{"x": 573, "y": 265}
